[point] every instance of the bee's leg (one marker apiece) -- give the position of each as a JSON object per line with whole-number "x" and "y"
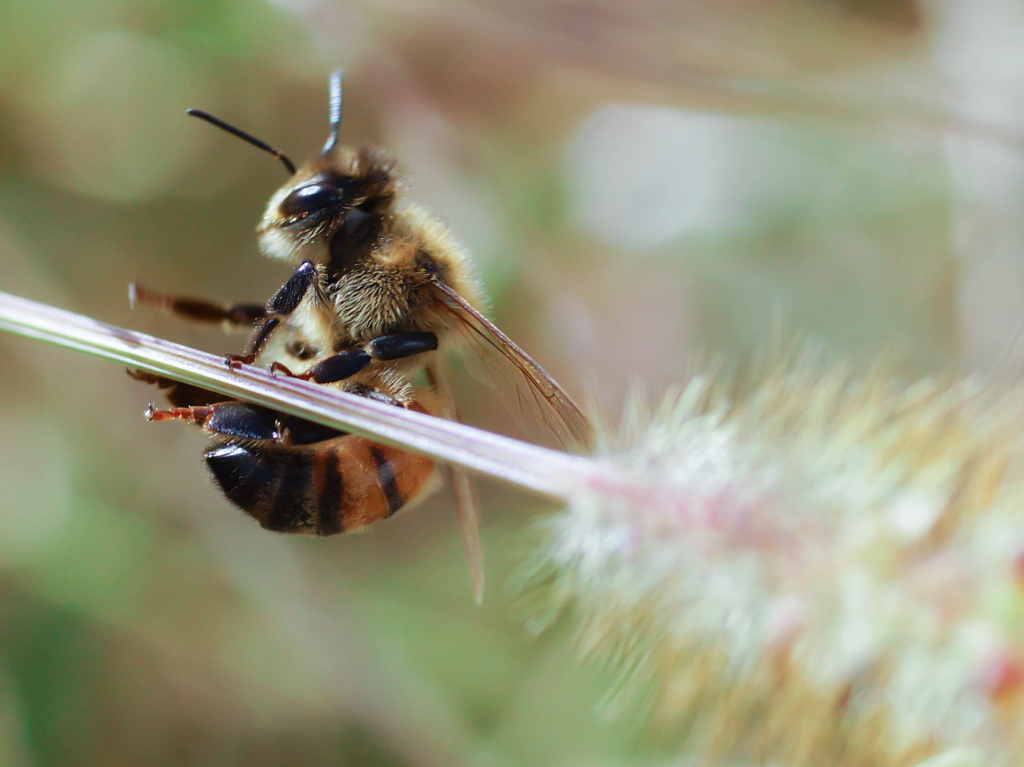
{"x": 336, "y": 368}
{"x": 369, "y": 392}
{"x": 231, "y": 419}
{"x": 398, "y": 346}
{"x": 197, "y": 414}
{"x": 179, "y": 394}
{"x": 285, "y": 301}
{"x": 349, "y": 362}
{"x": 196, "y": 309}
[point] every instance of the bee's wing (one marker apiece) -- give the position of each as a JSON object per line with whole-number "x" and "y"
{"x": 468, "y": 507}
{"x": 464, "y": 490}
{"x": 534, "y": 387}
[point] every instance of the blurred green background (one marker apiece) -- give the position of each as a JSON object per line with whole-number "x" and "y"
{"x": 642, "y": 184}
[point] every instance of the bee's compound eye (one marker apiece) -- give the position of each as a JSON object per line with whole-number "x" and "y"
{"x": 309, "y": 199}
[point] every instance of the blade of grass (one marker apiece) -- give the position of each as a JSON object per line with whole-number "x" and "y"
{"x": 541, "y": 470}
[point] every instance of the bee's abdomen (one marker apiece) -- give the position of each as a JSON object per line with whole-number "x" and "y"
{"x": 334, "y": 486}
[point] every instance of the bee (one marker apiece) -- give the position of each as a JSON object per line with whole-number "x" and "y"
{"x": 296, "y": 476}
{"x": 380, "y": 289}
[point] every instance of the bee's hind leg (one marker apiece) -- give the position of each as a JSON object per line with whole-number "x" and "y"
{"x": 179, "y": 394}
{"x": 232, "y": 420}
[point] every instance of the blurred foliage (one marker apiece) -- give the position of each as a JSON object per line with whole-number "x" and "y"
{"x": 637, "y": 181}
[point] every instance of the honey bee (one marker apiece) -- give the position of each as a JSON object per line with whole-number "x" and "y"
{"x": 379, "y": 289}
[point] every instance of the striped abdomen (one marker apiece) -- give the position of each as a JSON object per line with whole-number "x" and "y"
{"x": 327, "y": 487}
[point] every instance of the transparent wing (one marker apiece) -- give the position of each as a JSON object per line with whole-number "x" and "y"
{"x": 466, "y": 503}
{"x": 502, "y": 359}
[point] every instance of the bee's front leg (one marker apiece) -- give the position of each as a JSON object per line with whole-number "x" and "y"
{"x": 285, "y": 301}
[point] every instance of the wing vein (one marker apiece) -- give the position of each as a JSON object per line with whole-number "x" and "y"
{"x": 555, "y": 408}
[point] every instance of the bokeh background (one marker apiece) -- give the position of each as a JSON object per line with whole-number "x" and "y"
{"x": 644, "y": 185}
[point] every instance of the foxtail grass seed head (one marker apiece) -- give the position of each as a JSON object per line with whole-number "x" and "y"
{"x": 818, "y": 571}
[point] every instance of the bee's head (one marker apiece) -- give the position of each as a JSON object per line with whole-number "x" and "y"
{"x": 331, "y": 203}
{"x": 330, "y": 207}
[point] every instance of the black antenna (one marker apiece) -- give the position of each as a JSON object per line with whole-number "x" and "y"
{"x": 335, "y": 91}
{"x": 244, "y": 136}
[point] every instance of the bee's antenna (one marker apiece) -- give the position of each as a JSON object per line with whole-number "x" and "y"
{"x": 335, "y": 91}
{"x": 244, "y": 136}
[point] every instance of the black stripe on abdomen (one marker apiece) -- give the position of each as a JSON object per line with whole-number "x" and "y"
{"x": 330, "y": 489}
{"x": 289, "y": 511}
{"x": 387, "y": 480}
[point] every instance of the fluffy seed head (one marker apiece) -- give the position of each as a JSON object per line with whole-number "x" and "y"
{"x": 819, "y": 571}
